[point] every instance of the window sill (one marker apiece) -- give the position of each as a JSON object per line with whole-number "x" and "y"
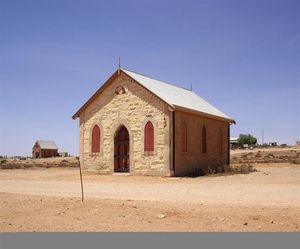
{"x": 148, "y": 153}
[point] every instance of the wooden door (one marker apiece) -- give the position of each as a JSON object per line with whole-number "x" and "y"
{"x": 121, "y": 151}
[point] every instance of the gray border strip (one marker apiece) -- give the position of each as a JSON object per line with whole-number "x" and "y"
{"x": 149, "y": 240}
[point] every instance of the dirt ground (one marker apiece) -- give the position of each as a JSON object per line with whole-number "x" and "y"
{"x": 266, "y": 155}
{"x": 43, "y": 199}
{"x": 25, "y": 163}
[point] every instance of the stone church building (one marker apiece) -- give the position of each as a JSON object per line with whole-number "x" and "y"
{"x": 142, "y": 126}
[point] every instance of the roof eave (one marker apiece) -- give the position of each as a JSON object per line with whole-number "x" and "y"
{"x": 100, "y": 89}
{"x": 208, "y": 115}
{"x": 171, "y": 106}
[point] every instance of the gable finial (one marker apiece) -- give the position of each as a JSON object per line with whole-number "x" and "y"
{"x": 119, "y": 65}
{"x": 191, "y": 87}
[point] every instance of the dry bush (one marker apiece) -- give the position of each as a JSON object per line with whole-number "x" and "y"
{"x": 196, "y": 173}
{"x": 231, "y": 170}
{"x": 295, "y": 161}
{"x": 242, "y": 169}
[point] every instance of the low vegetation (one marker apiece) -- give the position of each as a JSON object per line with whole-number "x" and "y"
{"x": 241, "y": 169}
{"x": 267, "y": 156}
{"x": 226, "y": 170}
{"x": 26, "y": 163}
{"x": 246, "y": 140}
{"x": 232, "y": 170}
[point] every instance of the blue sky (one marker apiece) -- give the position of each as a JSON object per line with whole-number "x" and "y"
{"x": 241, "y": 56}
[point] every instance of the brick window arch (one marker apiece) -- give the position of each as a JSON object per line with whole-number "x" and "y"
{"x": 184, "y": 137}
{"x": 96, "y": 139}
{"x": 221, "y": 141}
{"x": 149, "y": 137}
{"x": 204, "y": 142}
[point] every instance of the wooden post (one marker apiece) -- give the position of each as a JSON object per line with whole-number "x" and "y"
{"x": 82, "y": 195}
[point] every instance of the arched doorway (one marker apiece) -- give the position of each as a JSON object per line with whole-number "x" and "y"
{"x": 121, "y": 150}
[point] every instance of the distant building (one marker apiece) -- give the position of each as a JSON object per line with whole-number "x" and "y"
{"x": 234, "y": 142}
{"x": 63, "y": 154}
{"x": 43, "y": 149}
{"x": 273, "y": 144}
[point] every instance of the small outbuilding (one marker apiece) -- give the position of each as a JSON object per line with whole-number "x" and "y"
{"x": 234, "y": 142}
{"x": 63, "y": 154}
{"x": 43, "y": 149}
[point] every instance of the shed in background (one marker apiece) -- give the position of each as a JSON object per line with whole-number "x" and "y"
{"x": 43, "y": 149}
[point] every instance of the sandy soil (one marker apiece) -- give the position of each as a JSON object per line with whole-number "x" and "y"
{"x": 266, "y": 155}
{"x": 25, "y": 163}
{"x": 267, "y": 149}
{"x": 49, "y": 200}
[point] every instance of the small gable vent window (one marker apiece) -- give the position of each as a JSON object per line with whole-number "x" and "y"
{"x": 120, "y": 90}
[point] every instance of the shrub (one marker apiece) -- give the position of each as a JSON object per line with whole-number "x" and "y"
{"x": 246, "y": 139}
{"x": 197, "y": 172}
{"x": 295, "y": 161}
{"x": 223, "y": 170}
{"x": 232, "y": 170}
{"x": 243, "y": 169}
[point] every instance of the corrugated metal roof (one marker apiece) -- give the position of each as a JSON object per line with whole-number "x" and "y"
{"x": 176, "y": 96}
{"x": 44, "y": 144}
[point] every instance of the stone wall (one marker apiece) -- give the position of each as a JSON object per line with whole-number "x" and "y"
{"x": 193, "y": 160}
{"x": 132, "y": 109}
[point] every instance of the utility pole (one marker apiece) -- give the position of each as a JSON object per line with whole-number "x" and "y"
{"x": 82, "y": 195}
{"x": 262, "y": 136}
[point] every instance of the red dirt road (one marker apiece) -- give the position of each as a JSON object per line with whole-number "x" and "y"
{"x": 49, "y": 200}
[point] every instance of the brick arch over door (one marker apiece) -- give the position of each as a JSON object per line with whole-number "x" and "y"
{"x": 96, "y": 136}
{"x": 121, "y": 150}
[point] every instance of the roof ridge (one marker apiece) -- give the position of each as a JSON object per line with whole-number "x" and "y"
{"x": 173, "y": 95}
{"x": 45, "y": 140}
{"x": 150, "y": 77}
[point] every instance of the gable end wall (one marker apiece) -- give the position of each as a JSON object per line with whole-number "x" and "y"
{"x": 132, "y": 109}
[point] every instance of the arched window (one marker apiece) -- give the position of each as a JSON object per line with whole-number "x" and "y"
{"x": 149, "y": 137}
{"x": 204, "y": 143}
{"x": 184, "y": 138}
{"x": 220, "y": 141}
{"x": 96, "y": 139}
